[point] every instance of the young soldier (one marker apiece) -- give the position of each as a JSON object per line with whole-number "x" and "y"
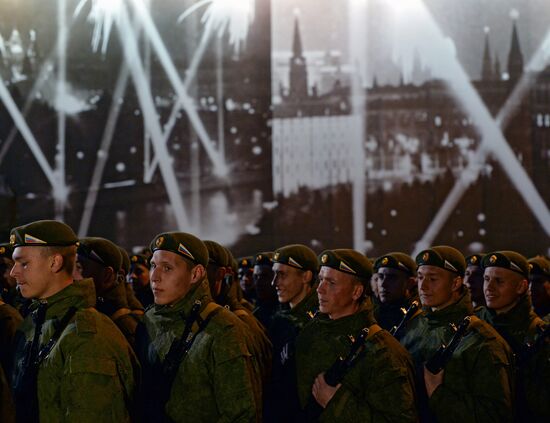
{"x": 139, "y": 276}
{"x": 266, "y": 294}
{"x": 71, "y": 362}
{"x": 195, "y": 362}
{"x": 396, "y": 287}
{"x": 539, "y": 285}
{"x": 295, "y": 270}
{"x": 133, "y": 303}
{"x": 476, "y": 384}
{"x": 379, "y": 383}
{"x": 473, "y": 279}
{"x": 509, "y": 311}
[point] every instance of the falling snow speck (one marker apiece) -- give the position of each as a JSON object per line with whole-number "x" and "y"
{"x": 120, "y": 167}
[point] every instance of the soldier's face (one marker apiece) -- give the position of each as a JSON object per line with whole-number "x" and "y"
{"x": 436, "y": 286}
{"x": 171, "y": 277}
{"x": 263, "y": 275}
{"x": 291, "y": 284}
{"x": 31, "y": 270}
{"x": 139, "y": 275}
{"x": 338, "y": 293}
{"x": 502, "y": 288}
{"x": 246, "y": 280}
{"x": 392, "y": 285}
{"x": 473, "y": 279}
{"x": 539, "y": 286}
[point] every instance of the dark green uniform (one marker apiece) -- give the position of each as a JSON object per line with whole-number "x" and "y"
{"x": 519, "y": 326}
{"x": 281, "y": 398}
{"x": 213, "y": 382}
{"x": 390, "y": 315}
{"x": 10, "y": 319}
{"x": 477, "y": 383}
{"x": 91, "y": 372}
{"x": 378, "y": 388}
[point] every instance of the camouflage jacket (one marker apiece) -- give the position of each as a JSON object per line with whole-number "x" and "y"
{"x": 520, "y": 326}
{"x": 9, "y": 321}
{"x": 91, "y": 372}
{"x": 390, "y": 315}
{"x": 478, "y": 380}
{"x": 378, "y": 387}
{"x": 213, "y": 382}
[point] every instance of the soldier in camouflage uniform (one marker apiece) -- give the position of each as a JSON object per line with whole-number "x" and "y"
{"x": 477, "y": 383}
{"x": 86, "y": 369}
{"x": 133, "y": 303}
{"x": 539, "y": 284}
{"x": 473, "y": 279}
{"x": 209, "y": 380}
{"x": 379, "y": 384}
{"x": 266, "y": 304}
{"x": 100, "y": 259}
{"x": 396, "y": 287}
{"x": 295, "y": 270}
{"x": 138, "y": 276}
{"x": 509, "y": 311}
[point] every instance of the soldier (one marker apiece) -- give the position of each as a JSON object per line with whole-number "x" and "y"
{"x": 378, "y": 385}
{"x": 101, "y": 260}
{"x": 266, "y": 304}
{"x": 396, "y": 286}
{"x": 133, "y": 303}
{"x": 539, "y": 285}
{"x": 138, "y": 277}
{"x": 195, "y": 361}
{"x": 246, "y": 281}
{"x": 8, "y": 289}
{"x": 71, "y": 362}
{"x": 476, "y": 384}
{"x": 295, "y": 270}
{"x": 473, "y": 279}
{"x": 509, "y": 311}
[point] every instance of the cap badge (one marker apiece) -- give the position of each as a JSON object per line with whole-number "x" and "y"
{"x": 425, "y": 256}
{"x": 182, "y": 249}
{"x": 159, "y": 241}
{"x": 324, "y": 258}
{"x": 346, "y": 268}
{"x": 276, "y": 256}
{"x": 385, "y": 261}
{"x": 29, "y": 239}
{"x": 12, "y": 239}
{"x": 530, "y": 265}
{"x": 473, "y": 260}
{"x": 259, "y": 257}
{"x": 134, "y": 259}
{"x": 2, "y": 250}
{"x": 493, "y": 259}
{"x": 244, "y": 262}
{"x": 294, "y": 263}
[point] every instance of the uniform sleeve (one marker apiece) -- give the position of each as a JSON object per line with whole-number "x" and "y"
{"x": 98, "y": 382}
{"x": 489, "y": 398}
{"x": 232, "y": 381}
{"x": 389, "y": 397}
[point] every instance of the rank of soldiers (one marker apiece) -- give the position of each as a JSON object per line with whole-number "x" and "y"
{"x": 184, "y": 332}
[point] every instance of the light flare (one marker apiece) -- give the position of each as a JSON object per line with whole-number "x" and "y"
{"x": 103, "y": 14}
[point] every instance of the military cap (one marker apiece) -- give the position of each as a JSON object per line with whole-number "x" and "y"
{"x": 102, "y": 251}
{"x": 43, "y": 233}
{"x": 217, "y": 254}
{"x": 539, "y": 266}
{"x": 6, "y": 250}
{"x": 396, "y": 260}
{"x": 508, "y": 260}
{"x": 245, "y": 262}
{"x": 125, "y": 263}
{"x": 298, "y": 256}
{"x": 347, "y": 261}
{"x": 184, "y": 244}
{"x": 139, "y": 259}
{"x": 474, "y": 260}
{"x": 264, "y": 259}
{"x": 444, "y": 257}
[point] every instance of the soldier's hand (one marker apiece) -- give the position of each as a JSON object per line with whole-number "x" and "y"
{"x": 432, "y": 381}
{"x": 322, "y": 392}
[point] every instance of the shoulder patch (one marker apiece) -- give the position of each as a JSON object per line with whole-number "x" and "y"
{"x": 85, "y": 321}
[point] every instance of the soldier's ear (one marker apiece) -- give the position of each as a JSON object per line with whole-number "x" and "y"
{"x": 198, "y": 273}
{"x": 523, "y": 286}
{"x": 56, "y": 263}
{"x": 457, "y": 284}
{"x": 358, "y": 291}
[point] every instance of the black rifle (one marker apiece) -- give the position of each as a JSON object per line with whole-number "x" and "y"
{"x": 336, "y": 373}
{"x": 529, "y": 349}
{"x": 408, "y": 314}
{"x": 443, "y": 355}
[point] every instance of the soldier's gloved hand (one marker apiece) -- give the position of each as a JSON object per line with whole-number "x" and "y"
{"x": 322, "y": 392}
{"x": 432, "y": 381}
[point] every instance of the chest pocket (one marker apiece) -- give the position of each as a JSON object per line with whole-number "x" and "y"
{"x": 99, "y": 366}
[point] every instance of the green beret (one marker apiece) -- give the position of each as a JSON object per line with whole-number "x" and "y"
{"x": 474, "y": 260}
{"x": 245, "y": 262}
{"x": 508, "y": 260}
{"x": 443, "y": 256}
{"x": 264, "y": 259}
{"x": 539, "y": 266}
{"x": 6, "y": 250}
{"x": 139, "y": 259}
{"x": 298, "y": 256}
{"x": 217, "y": 254}
{"x": 396, "y": 260}
{"x": 102, "y": 251}
{"x": 347, "y": 261}
{"x": 184, "y": 244}
{"x": 43, "y": 233}
{"x": 125, "y": 264}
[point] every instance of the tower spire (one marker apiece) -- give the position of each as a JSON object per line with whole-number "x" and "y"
{"x": 515, "y": 58}
{"x": 487, "y": 67}
{"x": 297, "y": 41}
{"x": 298, "y": 89}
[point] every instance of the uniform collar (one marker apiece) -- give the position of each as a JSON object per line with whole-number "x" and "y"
{"x": 453, "y": 313}
{"x": 199, "y": 291}
{"x": 79, "y": 294}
